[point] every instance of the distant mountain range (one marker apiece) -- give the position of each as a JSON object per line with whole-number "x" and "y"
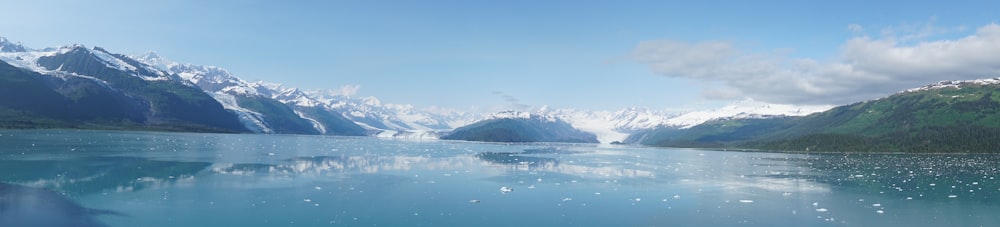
{"x": 91, "y": 88}
{"x": 78, "y": 87}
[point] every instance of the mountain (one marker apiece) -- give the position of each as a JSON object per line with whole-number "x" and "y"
{"x": 272, "y": 108}
{"x": 77, "y": 87}
{"x": 7, "y": 46}
{"x": 629, "y": 124}
{"x": 393, "y": 120}
{"x": 95, "y": 88}
{"x": 260, "y": 107}
{"x": 949, "y": 116}
{"x": 516, "y": 126}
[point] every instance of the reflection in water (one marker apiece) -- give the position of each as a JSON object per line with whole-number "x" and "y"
{"x": 165, "y": 179}
{"x": 331, "y": 165}
{"x": 914, "y": 177}
{"x": 28, "y": 206}
{"x": 98, "y": 174}
{"x": 529, "y": 161}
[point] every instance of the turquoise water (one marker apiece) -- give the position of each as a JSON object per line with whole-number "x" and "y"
{"x": 182, "y": 179}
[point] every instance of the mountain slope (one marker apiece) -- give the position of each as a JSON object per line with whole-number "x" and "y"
{"x": 521, "y": 127}
{"x": 260, "y": 108}
{"x": 100, "y": 89}
{"x": 950, "y": 116}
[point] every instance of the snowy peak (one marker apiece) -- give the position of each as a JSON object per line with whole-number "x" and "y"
{"x": 7, "y": 46}
{"x": 743, "y": 109}
{"x": 514, "y": 114}
{"x": 633, "y": 119}
{"x": 213, "y": 79}
{"x": 954, "y": 84}
{"x": 154, "y": 59}
{"x": 294, "y": 96}
{"x": 78, "y": 60}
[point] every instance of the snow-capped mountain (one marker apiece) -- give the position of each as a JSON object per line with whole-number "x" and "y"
{"x": 616, "y": 126}
{"x": 7, "y": 46}
{"x": 741, "y": 110}
{"x": 611, "y": 126}
{"x": 377, "y": 118}
{"x": 94, "y": 88}
{"x": 264, "y": 107}
{"x": 393, "y": 120}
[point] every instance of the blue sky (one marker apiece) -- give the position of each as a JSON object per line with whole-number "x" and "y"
{"x": 599, "y": 55}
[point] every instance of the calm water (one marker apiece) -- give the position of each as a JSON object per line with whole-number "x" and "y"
{"x": 175, "y": 179}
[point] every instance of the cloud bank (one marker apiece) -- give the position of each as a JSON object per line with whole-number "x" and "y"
{"x": 866, "y": 67}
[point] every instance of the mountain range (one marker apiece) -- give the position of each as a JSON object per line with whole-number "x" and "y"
{"x": 78, "y": 87}
{"x": 91, "y": 88}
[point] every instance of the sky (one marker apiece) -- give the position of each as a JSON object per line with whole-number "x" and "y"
{"x": 596, "y": 55}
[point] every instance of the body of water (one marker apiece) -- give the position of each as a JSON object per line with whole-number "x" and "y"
{"x": 102, "y": 178}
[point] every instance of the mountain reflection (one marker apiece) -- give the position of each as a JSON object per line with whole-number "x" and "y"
{"x": 98, "y": 174}
{"x": 335, "y": 165}
{"x": 530, "y": 161}
{"x": 332, "y": 165}
{"x": 29, "y": 206}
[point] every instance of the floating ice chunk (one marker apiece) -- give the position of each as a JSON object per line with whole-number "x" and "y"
{"x": 506, "y": 189}
{"x": 821, "y": 209}
{"x": 746, "y": 201}
{"x": 677, "y": 196}
{"x": 306, "y": 200}
{"x": 880, "y": 211}
{"x": 815, "y": 204}
{"x": 952, "y": 196}
{"x": 876, "y": 204}
{"x": 318, "y": 188}
{"x": 567, "y": 199}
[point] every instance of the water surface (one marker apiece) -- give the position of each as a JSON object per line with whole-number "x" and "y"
{"x": 186, "y": 179}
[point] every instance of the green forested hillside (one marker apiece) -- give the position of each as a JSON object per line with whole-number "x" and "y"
{"x": 946, "y": 117}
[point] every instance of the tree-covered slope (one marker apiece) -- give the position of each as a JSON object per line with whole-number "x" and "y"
{"x": 959, "y": 116}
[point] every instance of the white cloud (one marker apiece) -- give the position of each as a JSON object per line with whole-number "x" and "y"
{"x": 855, "y": 28}
{"x": 866, "y": 68}
{"x": 347, "y": 90}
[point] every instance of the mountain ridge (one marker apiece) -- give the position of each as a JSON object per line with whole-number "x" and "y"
{"x": 263, "y": 107}
{"x": 948, "y": 116}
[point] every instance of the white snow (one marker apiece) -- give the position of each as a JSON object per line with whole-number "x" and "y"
{"x": 954, "y": 84}
{"x": 742, "y": 110}
{"x": 252, "y": 120}
{"x": 318, "y": 126}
